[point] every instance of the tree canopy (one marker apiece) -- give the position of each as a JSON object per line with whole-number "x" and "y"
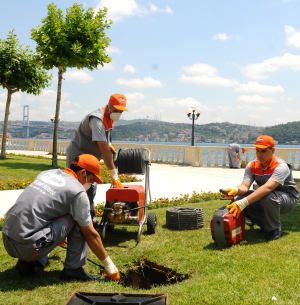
{"x": 18, "y": 72}
{"x": 76, "y": 40}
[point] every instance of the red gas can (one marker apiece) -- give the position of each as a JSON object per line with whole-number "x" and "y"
{"x": 227, "y": 230}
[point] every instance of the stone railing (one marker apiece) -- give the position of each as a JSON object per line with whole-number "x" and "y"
{"x": 193, "y": 155}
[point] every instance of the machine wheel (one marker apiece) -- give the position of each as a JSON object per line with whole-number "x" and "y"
{"x": 151, "y": 223}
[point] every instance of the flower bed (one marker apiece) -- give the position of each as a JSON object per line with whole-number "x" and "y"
{"x": 14, "y": 184}
{"x": 175, "y": 201}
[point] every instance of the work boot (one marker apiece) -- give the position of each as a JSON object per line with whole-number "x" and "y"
{"x": 273, "y": 235}
{"x": 77, "y": 274}
{"x": 28, "y": 268}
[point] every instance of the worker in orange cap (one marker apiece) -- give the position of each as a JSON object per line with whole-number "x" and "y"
{"x": 276, "y": 193}
{"x": 52, "y": 208}
{"x": 93, "y": 136}
{"x": 234, "y": 155}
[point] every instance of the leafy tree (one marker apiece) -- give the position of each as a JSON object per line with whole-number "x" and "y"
{"x": 76, "y": 40}
{"x": 18, "y": 72}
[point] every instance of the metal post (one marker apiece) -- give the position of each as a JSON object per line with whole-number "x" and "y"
{"x": 193, "y": 118}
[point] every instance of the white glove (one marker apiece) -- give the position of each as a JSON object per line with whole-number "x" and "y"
{"x": 114, "y": 174}
{"x": 110, "y": 266}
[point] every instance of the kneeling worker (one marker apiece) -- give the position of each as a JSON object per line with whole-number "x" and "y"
{"x": 234, "y": 155}
{"x": 52, "y": 208}
{"x": 277, "y": 192}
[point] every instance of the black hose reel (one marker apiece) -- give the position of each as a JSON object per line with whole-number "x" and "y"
{"x": 184, "y": 218}
{"x": 131, "y": 161}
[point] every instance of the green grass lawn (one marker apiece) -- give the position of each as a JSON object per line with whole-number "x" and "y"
{"x": 251, "y": 272}
{"x": 23, "y": 168}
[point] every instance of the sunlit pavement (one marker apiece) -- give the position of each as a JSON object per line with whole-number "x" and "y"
{"x": 165, "y": 181}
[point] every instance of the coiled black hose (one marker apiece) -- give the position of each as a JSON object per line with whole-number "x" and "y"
{"x": 131, "y": 161}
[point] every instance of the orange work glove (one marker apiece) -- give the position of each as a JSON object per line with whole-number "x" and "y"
{"x": 237, "y": 207}
{"x": 115, "y": 178}
{"x": 63, "y": 242}
{"x": 231, "y": 192}
{"x": 117, "y": 184}
{"x": 234, "y": 209}
{"x": 112, "y": 149}
{"x": 111, "y": 270}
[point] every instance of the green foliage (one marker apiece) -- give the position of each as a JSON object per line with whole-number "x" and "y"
{"x": 18, "y": 71}
{"x": 284, "y": 132}
{"x": 76, "y": 40}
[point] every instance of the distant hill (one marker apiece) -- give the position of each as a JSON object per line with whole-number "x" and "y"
{"x": 183, "y": 131}
{"x": 284, "y": 132}
{"x": 126, "y": 122}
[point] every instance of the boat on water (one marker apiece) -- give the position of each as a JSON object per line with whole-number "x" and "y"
{"x": 7, "y": 137}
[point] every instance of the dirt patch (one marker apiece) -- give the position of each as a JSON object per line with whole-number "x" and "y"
{"x": 145, "y": 274}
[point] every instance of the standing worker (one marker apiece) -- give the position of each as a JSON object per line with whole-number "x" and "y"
{"x": 234, "y": 155}
{"x": 276, "y": 193}
{"x": 52, "y": 208}
{"x": 93, "y": 136}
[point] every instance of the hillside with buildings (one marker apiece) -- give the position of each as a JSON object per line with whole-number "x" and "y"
{"x": 157, "y": 131}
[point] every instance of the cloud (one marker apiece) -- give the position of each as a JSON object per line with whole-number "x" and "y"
{"x": 255, "y": 99}
{"x": 155, "y": 9}
{"x": 253, "y": 108}
{"x": 118, "y": 9}
{"x": 78, "y": 76}
{"x": 258, "y": 70}
{"x": 107, "y": 67}
{"x": 47, "y": 96}
{"x": 67, "y": 103}
{"x": 147, "y": 82}
{"x": 145, "y": 110}
{"x": 133, "y": 98}
{"x": 221, "y": 37}
{"x": 111, "y": 49}
{"x": 293, "y": 38}
{"x": 255, "y": 87}
{"x": 129, "y": 69}
{"x": 206, "y": 75}
{"x": 77, "y": 105}
{"x": 177, "y": 102}
{"x": 14, "y": 98}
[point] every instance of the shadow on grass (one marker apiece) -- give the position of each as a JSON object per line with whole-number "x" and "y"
{"x": 10, "y": 279}
{"x": 119, "y": 236}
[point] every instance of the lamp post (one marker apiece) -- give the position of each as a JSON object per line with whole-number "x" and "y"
{"x": 52, "y": 118}
{"x": 193, "y": 114}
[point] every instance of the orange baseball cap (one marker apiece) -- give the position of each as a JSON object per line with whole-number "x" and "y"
{"x": 243, "y": 150}
{"x": 91, "y": 164}
{"x": 118, "y": 101}
{"x": 264, "y": 142}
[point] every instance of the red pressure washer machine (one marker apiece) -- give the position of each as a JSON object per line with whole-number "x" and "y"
{"x": 128, "y": 206}
{"x": 227, "y": 230}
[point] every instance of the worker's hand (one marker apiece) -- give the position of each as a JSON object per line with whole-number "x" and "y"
{"x": 63, "y": 242}
{"x": 112, "y": 149}
{"x": 237, "y": 207}
{"x": 115, "y": 178}
{"x": 111, "y": 270}
{"x": 234, "y": 209}
{"x": 117, "y": 184}
{"x": 231, "y": 192}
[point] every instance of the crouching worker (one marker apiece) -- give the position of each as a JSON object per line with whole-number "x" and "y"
{"x": 276, "y": 193}
{"x": 52, "y": 208}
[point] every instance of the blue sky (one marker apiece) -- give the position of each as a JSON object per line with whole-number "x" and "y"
{"x": 239, "y": 61}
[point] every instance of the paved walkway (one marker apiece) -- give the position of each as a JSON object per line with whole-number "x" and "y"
{"x": 165, "y": 181}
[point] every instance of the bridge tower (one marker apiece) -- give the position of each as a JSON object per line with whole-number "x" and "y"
{"x": 25, "y": 121}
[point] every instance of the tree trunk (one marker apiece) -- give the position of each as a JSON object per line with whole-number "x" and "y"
{"x": 3, "y": 146}
{"x": 56, "y": 119}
